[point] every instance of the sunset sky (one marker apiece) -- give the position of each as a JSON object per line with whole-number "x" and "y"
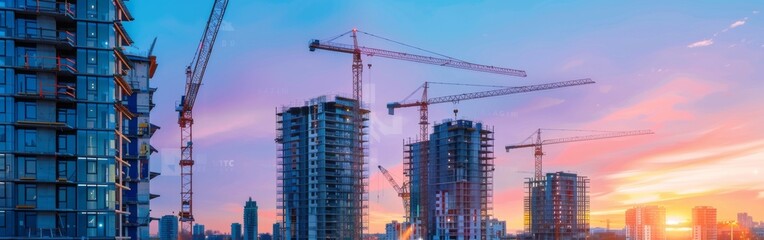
{"x": 689, "y": 70}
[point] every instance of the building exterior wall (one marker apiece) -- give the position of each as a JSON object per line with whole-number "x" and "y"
{"x": 250, "y": 220}
{"x": 197, "y": 232}
{"x": 277, "y": 231}
{"x": 646, "y": 222}
{"x": 704, "y": 223}
{"x": 236, "y": 231}
{"x": 64, "y": 117}
{"x": 168, "y": 227}
{"x": 459, "y": 180}
{"x": 557, "y": 206}
{"x": 323, "y": 175}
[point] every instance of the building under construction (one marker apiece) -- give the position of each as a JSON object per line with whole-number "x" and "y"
{"x": 322, "y": 172}
{"x": 557, "y": 206}
{"x": 451, "y": 189}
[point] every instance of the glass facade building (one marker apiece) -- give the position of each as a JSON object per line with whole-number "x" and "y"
{"x": 69, "y": 117}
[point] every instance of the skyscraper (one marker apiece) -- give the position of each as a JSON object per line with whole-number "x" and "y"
{"x": 65, "y": 122}
{"x": 235, "y": 231}
{"x": 745, "y": 221}
{"x": 197, "y": 232}
{"x": 322, "y": 175}
{"x": 646, "y": 222}
{"x": 250, "y": 220}
{"x": 557, "y": 206}
{"x": 704, "y": 223}
{"x": 168, "y": 227}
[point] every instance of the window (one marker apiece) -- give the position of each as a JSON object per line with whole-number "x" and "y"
{"x": 92, "y": 57}
{"x": 30, "y": 138}
{"x": 91, "y": 225}
{"x": 30, "y": 193}
{"x": 92, "y": 88}
{"x": 3, "y": 138}
{"x": 91, "y": 194}
{"x": 30, "y": 111}
{"x": 92, "y": 30}
{"x": 30, "y": 166}
{"x": 61, "y": 197}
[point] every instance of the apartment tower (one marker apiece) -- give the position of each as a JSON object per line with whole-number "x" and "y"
{"x": 322, "y": 172}
{"x": 459, "y": 180}
{"x": 68, "y": 111}
{"x": 646, "y": 222}
{"x": 704, "y": 223}
{"x": 557, "y": 206}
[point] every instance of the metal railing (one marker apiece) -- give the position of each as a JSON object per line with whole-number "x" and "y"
{"x": 42, "y": 34}
{"x": 56, "y": 63}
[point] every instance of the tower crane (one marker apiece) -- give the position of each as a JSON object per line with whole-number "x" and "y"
{"x": 538, "y": 143}
{"x": 424, "y": 103}
{"x": 357, "y": 69}
{"x": 403, "y": 192}
{"x": 194, "y": 76}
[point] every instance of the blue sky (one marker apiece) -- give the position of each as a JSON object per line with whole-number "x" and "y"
{"x": 638, "y": 52}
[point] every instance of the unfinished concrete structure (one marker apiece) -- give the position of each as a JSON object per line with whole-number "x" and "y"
{"x": 557, "y": 206}
{"x": 322, "y": 169}
{"x": 459, "y": 181}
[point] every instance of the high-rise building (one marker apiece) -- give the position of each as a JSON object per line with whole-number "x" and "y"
{"x": 168, "y": 227}
{"x": 66, "y": 115}
{"x": 646, "y": 222}
{"x": 236, "y": 231}
{"x": 458, "y": 181}
{"x": 197, "y": 232}
{"x": 137, "y": 151}
{"x": 704, "y": 223}
{"x": 322, "y": 168}
{"x": 557, "y": 206}
{"x": 277, "y": 231}
{"x": 250, "y": 220}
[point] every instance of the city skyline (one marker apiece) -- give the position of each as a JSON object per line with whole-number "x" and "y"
{"x": 686, "y": 71}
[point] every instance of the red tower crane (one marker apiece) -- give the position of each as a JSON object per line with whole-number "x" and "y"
{"x": 194, "y": 76}
{"x": 538, "y": 142}
{"x": 357, "y": 68}
{"x": 403, "y": 192}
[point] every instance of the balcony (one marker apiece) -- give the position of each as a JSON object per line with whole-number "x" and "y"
{"x": 62, "y": 11}
{"x": 55, "y": 37}
{"x": 49, "y": 64}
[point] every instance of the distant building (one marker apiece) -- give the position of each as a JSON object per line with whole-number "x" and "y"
{"x": 322, "y": 168}
{"x": 451, "y": 189}
{"x": 545, "y": 198}
{"x": 704, "y": 223}
{"x": 646, "y": 222}
{"x": 265, "y": 236}
{"x": 198, "y": 232}
{"x": 277, "y": 231}
{"x": 250, "y": 220}
{"x": 168, "y": 227}
{"x": 236, "y": 231}
{"x": 393, "y": 231}
{"x": 745, "y": 221}
{"x": 496, "y": 229}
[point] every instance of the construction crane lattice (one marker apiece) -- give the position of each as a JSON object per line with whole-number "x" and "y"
{"x": 194, "y": 75}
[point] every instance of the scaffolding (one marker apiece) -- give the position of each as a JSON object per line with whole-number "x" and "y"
{"x": 322, "y": 170}
{"x": 557, "y": 206}
{"x": 455, "y": 198}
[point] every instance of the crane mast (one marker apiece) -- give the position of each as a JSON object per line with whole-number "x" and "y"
{"x": 194, "y": 75}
